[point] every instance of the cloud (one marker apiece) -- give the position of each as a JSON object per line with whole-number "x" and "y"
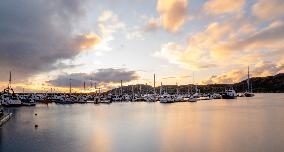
{"x": 237, "y": 41}
{"x": 36, "y": 34}
{"x": 217, "y": 7}
{"x": 173, "y": 13}
{"x": 102, "y": 76}
{"x": 152, "y": 25}
{"x": 261, "y": 69}
{"x": 108, "y": 24}
{"x": 135, "y": 34}
{"x": 185, "y": 57}
{"x": 267, "y": 68}
{"x": 268, "y": 10}
{"x": 269, "y": 38}
{"x": 196, "y": 54}
{"x": 88, "y": 40}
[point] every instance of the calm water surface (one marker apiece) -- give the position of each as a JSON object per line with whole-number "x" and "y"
{"x": 245, "y": 124}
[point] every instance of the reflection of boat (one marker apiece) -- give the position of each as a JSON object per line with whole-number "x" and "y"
{"x": 229, "y": 94}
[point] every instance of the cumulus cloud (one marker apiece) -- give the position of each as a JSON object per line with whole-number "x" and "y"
{"x": 270, "y": 38}
{"x": 196, "y": 53}
{"x": 237, "y": 42}
{"x": 36, "y": 34}
{"x": 102, "y": 76}
{"x": 268, "y": 10}
{"x": 261, "y": 69}
{"x": 173, "y": 13}
{"x": 108, "y": 24}
{"x": 217, "y": 7}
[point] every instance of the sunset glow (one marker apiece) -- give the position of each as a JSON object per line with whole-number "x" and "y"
{"x": 46, "y": 43}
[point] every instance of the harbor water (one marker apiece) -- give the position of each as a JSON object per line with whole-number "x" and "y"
{"x": 239, "y": 125}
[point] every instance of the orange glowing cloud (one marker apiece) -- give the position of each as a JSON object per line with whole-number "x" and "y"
{"x": 267, "y": 10}
{"x": 173, "y": 13}
{"x": 237, "y": 42}
{"x": 88, "y": 40}
{"x": 260, "y": 69}
{"x": 217, "y": 7}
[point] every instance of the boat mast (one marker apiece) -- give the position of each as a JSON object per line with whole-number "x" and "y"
{"x": 248, "y": 81}
{"x": 194, "y": 83}
{"x": 84, "y": 86}
{"x": 161, "y": 88}
{"x": 177, "y": 88}
{"x": 154, "y": 83}
{"x": 70, "y": 87}
{"x": 188, "y": 89}
{"x": 96, "y": 92}
{"x": 10, "y": 80}
{"x": 132, "y": 89}
{"x": 140, "y": 89}
{"x": 120, "y": 87}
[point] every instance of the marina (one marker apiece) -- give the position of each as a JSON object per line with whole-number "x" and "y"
{"x": 141, "y": 76}
{"x": 241, "y": 124}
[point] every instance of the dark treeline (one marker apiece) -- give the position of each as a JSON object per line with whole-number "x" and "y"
{"x": 269, "y": 84}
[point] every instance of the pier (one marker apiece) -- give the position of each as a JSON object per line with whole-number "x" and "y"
{"x": 5, "y": 118}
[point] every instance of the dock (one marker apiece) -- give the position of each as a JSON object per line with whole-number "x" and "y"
{"x": 5, "y": 118}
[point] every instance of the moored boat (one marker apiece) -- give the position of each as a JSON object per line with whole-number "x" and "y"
{"x": 27, "y": 100}
{"x": 105, "y": 100}
{"x": 192, "y": 99}
{"x": 229, "y": 94}
{"x": 9, "y": 98}
{"x": 248, "y": 94}
{"x": 167, "y": 98}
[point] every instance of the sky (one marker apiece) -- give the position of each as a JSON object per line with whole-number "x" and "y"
{"x": 48, "y": 44}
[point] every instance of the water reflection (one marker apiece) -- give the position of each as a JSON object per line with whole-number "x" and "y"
{"x": 245, "y": 124}
{"x": 101, "y": 139}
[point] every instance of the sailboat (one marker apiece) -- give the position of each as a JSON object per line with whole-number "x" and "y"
{"x": 68, "y": 99}
{"x": 248, "y": 93}
{"x": 194, "y": 97}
